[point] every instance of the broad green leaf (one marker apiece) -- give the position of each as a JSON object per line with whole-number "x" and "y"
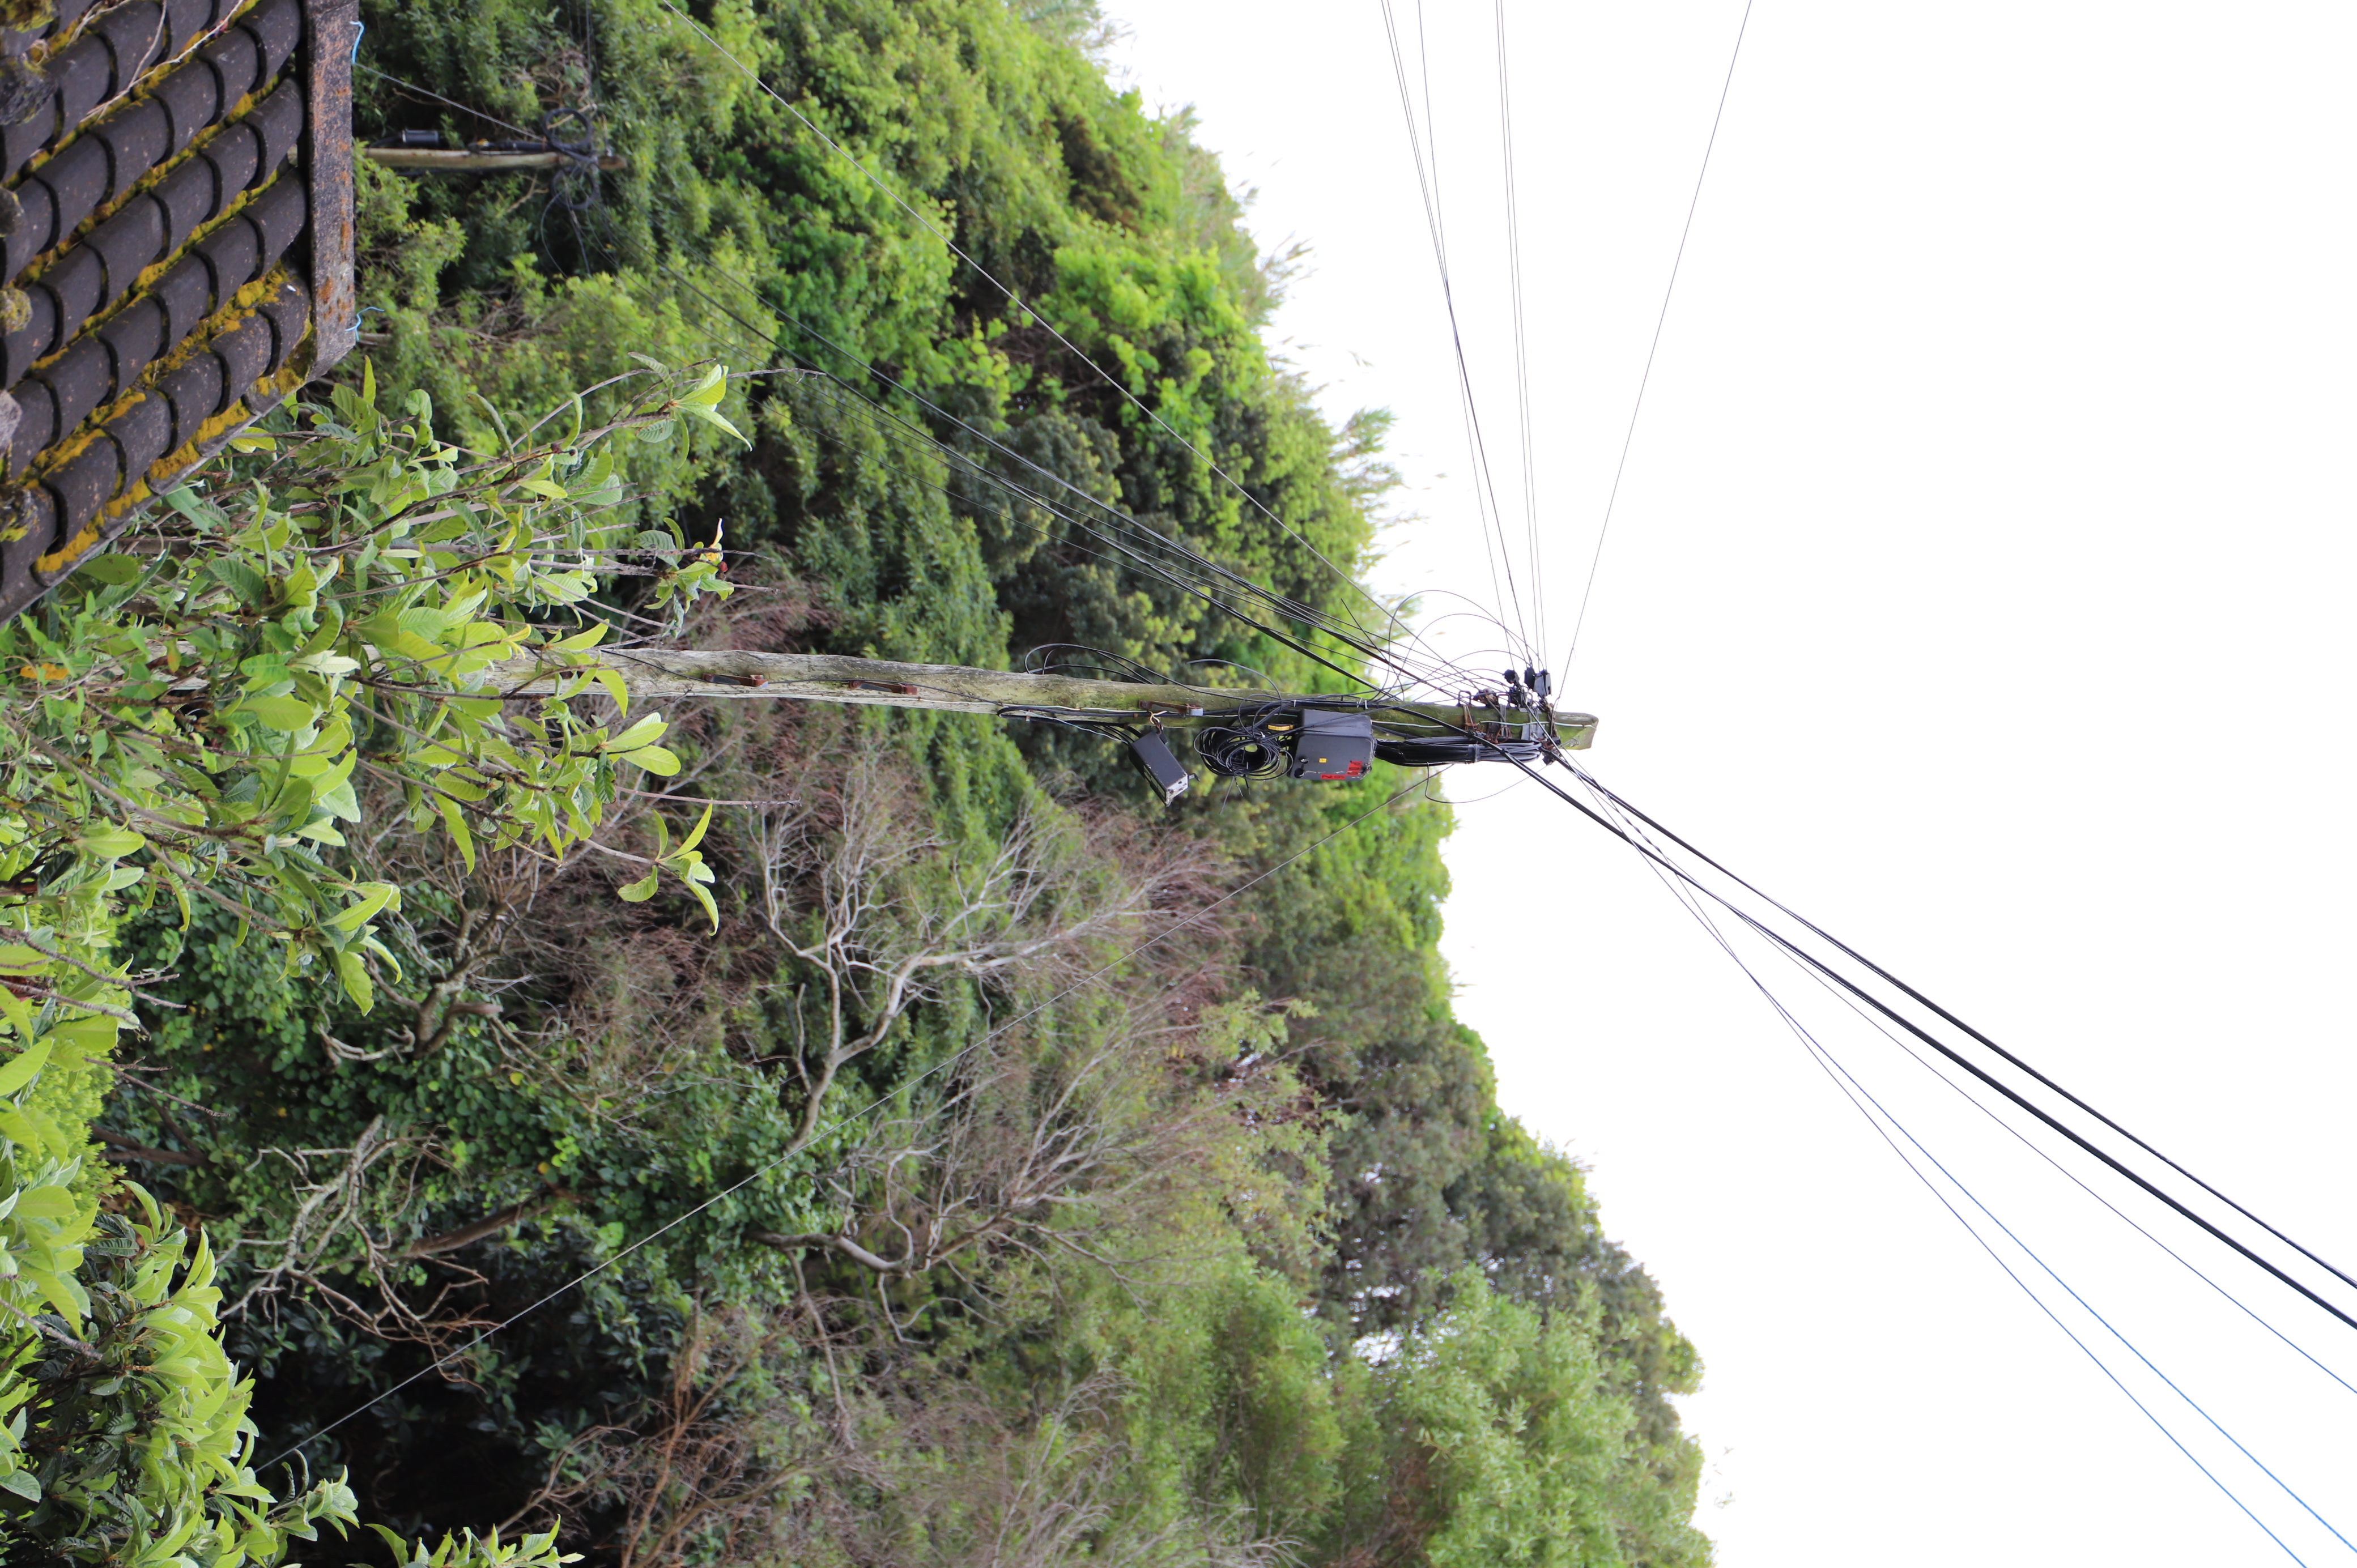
{"x": 375, "y": 897}
{"x": 715, "y": 420}
{"x": 185, "y": 500}
{"x": 638, "y": 892}
{"x": 655, "y": 760}
{"x": 338, "y": 800}
{"x": 92, "y": 1037}
{"x": 353, "y": 972}
{"x": 457, "y": 823}
{"x": 288, "y": 714}
{"x": 62, "y": 1292}
{"x": 19, "y": 1129}
{"x": 105, "y": 841}
{"x": 325, "y": 663}
{"x": 113, "y": 570}
{"x": 20, "y": 1068}
{"x": 46, "y": 1203}
{"x": 646, "y": 732}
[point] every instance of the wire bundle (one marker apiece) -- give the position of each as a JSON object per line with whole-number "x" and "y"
{"x": 1250, "y": 748}
{"x": 1446, "y": 750}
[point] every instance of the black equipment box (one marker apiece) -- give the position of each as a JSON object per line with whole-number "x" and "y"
{"x": 1153, "y": 759}
{"x": 1332, "y": 746}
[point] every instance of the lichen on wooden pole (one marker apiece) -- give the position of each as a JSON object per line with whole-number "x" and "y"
{"x": 961, "y": 688}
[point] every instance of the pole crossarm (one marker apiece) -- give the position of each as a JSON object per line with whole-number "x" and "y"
{"x": 959, "y": 689}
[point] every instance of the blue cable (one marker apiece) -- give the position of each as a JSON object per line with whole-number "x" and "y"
{"x": 1839, "y": 1074}
{"x": 2074, "y": 1295}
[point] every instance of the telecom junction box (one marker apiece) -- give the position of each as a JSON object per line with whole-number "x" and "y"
{"x": 1333, "y": 746}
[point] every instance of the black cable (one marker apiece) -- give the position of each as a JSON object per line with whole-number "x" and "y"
{"x": 1443, "y": 751}
{"x": 2075, "y": 1179}
{"x": 1369, "y": 644}
{"x": 1157, "y": 570}
{"x": 1355, "y": 638}
{"x": 1290, "y": 608}
{"x": 1123, "y": 668}
{"x": 2000, "y": 1051}
{"x": 1251, "y": 746}
{"x": 1852, "y": 1090}
{"x": 1522, "y": 345}
{"x": 1837, "y": 978}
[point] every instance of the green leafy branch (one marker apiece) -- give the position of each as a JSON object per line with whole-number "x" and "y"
{"x": 209, "y": 712}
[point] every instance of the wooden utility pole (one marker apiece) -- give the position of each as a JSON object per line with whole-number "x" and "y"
{"x": 956, "y": 688}
{"x": 468, "y": 160}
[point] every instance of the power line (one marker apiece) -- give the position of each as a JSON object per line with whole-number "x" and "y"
{"x": 1664, "y": 871}
{"x": 2077, "y": 1180}
{"x": 1522, "y": 344}
{"x": 1349, "y": 634}
{"x": 1812, "y": 960}
{"x": 452, "y": 103}
{"x": 1861, "y": 1097}
{"x": 1282, "y": 607}
{"x": 1835, "y": 977}
{"x": 2004, "y": 1055}
{"x": 1485, "y": 491}
{"x": 1645, "y": 380}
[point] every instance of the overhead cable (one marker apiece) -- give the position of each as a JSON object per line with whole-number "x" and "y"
{"x": 1860, "y": 1098}
{"x": 2008, "y": 1057}
{"x": 1945, "y": 1050}
{"x": 1522, "y": 344}
{"x": 1645, "y": 380}
{"x": 1440, "y": 677}
{"x": 1485, "y": 487}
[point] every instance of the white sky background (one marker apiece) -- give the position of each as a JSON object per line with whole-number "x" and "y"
{"x": 1979, "y": 586}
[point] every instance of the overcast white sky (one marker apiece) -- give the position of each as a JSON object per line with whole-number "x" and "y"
{"x": 1979, "y": 585}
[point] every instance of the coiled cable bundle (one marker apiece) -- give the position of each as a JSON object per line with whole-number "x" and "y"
{"x": 1252, "y": 747}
